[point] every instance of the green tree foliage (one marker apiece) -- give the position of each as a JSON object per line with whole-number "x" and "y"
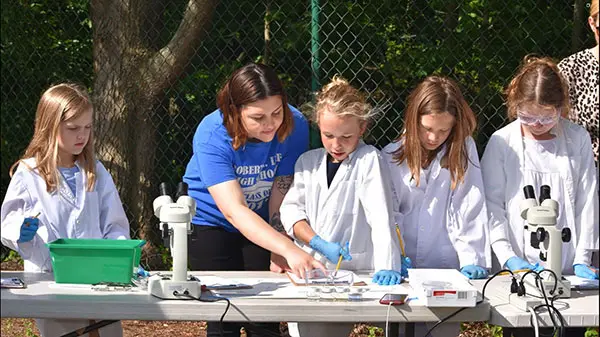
{"x": 43, "y": 43}
{"x": 385, "y": 47}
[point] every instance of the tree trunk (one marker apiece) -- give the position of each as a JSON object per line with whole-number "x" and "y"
{"x": 267, "y": 33}
{"x": 132, "y": 73}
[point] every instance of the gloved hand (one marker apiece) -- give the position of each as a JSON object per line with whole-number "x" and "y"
{"x": 406, "y": 263}
{"x": 141, "y": 272}
{"x": 331, "y": 250}
{"x": 517, "y": 263}
{"x": 387, "y": 277}
{"x": 474, "y": 272}
{"x": 585, "y": 271}
{"x": 28, "y": 229}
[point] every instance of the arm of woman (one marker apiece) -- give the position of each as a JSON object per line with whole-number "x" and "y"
{"x": 231, "y": 202}
{"x": 281, "y": 185}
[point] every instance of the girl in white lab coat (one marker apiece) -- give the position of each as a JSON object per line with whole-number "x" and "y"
{"x": 340, "y": 202}
{"x": 59, "y": 190}
{"x": 541, "y": 147}
{"x": 435, "y": 172}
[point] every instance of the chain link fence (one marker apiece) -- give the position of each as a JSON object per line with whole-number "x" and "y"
{"x": 154, "y": 67}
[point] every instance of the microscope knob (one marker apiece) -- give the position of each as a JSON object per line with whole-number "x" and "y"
{"x": 534, "y": 241}
{"x": 566, "y": 234}
{"x": 540, "y": 234}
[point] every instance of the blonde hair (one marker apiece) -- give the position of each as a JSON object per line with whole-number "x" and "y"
{"x": 594, "y": 9}
{"x": 341, "y": 99}
{"x": 437, "y": 95}
{"x": 59, "y": 103}
{"x": 539, "y": 81}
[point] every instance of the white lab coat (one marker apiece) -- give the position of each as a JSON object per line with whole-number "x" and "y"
{"x": 441, "y": 227}
{"x": 574, "y": 187}
{"x": 356, "y": 208}
{"x": 95, "y": 214}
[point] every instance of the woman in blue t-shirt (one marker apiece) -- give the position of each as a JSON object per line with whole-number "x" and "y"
{"x": 242, "y": 166}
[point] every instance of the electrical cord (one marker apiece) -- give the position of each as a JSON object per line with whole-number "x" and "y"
{"x": 387, "y": 319}
{"x": 215, "y": 299}
{"x": 551, "y": 306}
{"x": 254, "y": 327}
{"x": 522, "y": 291}
{"x": 500, "y": 272}
{"x": 533, "y": 322}
{"x": 552, "y": 310}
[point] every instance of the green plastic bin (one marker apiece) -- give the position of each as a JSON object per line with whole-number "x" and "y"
{"x": 90, "y": 261}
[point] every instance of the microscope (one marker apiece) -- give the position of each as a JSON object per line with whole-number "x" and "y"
{"x": 545, "y": 236}
{"x": 175, "y": 222}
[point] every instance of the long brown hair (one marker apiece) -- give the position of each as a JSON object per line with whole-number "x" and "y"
{"x": 251, "y": 83}
{"x": 436, "y": 95}
{"x": 538, "y": 81}
{"x": 59, "y": 103}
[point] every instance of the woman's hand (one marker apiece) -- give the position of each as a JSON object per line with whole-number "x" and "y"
{"x": 278, "y": 264}
{"x": 301, "y": 262}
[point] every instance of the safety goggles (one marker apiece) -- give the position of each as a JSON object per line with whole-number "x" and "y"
{"x": 533, "y": 120}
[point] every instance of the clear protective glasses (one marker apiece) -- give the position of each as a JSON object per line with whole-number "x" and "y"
{"x": 527, "y": 119}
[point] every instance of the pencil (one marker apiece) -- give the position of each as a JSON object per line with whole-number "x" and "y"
{"x": 33, "y": 217}
{"x": 337, "y": 267}
{"x": 400, "y": 240}
{"x": 339, "y": 263}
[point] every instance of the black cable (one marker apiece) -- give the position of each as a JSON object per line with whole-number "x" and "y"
{"x": 212, "y": 300}
{"x": 217, "y": 299}
{"x": 92, "y": 327}
{"x": 551, "y": 308}
{"x": 555, "y": 279}
{"x": 476, "y": 303}
{"x": 543, "y": 305}
{"x": 543, "y": 289}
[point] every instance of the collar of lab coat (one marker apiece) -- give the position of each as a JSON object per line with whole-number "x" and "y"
{"x": 341, "y": 172}
{"x": 435, "y": 168}
{"x": 562, "y": 138}
{"x": 65, "y": 190}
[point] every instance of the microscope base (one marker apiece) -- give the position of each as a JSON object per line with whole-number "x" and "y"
{"x": 162, "y": 286}
{"x": 563, "y": 287}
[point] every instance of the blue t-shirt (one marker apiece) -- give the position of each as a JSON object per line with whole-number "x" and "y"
{"x": 254, "y": 165}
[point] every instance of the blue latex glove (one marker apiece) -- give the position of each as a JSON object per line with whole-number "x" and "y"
{"x": 141, "y": 272}
{"x": 406, "y": 263}
{"x": 474, "y": 272}
{"x": 387, "y": 277}
{"x": 28, "y": 229}
{"x": 517, "y": 263}
{"x": 331, "y": 250}
{"x": 585, "y": 271}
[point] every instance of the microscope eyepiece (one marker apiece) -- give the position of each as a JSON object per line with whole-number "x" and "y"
{"x": 164, "y": 188}
{"x": 529, "y": 192}
{"x": 182, "y": 189}
{"x": 544, "y": 193}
